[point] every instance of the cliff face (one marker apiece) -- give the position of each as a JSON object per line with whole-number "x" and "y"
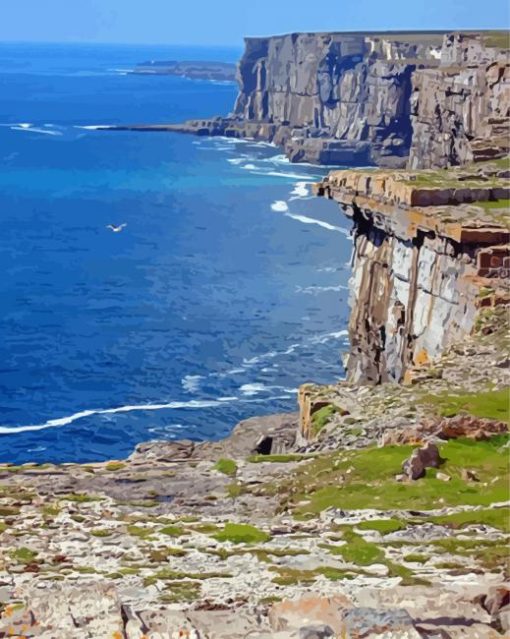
{"x": 430, "y": 250}
{"x": 460, "y": 110}
{"x": 334, "y": 94}
{"x": 390, "y": 99}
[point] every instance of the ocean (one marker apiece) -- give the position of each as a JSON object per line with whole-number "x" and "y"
{"x": 226, "y": 289}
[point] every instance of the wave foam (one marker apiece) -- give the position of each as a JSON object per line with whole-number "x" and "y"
{"x": 280, "y": 206}
{"x": 69, "y": 419}
{"x": 313, "y": 290}
{"x": 311, "y": 220}
{"x": 300, "y": 191}
{"x": 191, "y": 383}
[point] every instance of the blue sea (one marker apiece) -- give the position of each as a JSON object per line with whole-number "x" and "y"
{"x": 226, "y": 289}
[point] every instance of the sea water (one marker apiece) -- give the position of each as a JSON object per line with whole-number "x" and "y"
{"x": 226, "y": 289}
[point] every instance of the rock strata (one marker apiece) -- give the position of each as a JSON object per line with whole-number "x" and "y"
{"x": 430, "y": 250}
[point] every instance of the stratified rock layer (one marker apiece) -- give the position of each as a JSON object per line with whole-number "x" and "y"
{"x": 430, "y": 249}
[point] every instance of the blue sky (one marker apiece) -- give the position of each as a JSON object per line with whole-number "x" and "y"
{"x": 225, "y": 22}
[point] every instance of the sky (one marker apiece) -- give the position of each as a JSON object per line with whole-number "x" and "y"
{"x": 226, "y": 22}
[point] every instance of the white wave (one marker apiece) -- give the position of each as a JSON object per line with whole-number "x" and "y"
{"x": 300, "y": 190}
{"x": 236, "y": 161}
{"x": 280, "y": 206}
{"x": 69, "y": 419}
{"x": 252, "y": 389}
{"x": 294, "y": 176}
{"x": 328, "y": 269}
{"x": 313, "y": 290}
{"x": 93, "y": 127}
{"x": 322, "y": 339}
{"x": 255, "y": 388}
{"x": 249, "y": 167}
{"x": 191, "y": 383}
{"x": 310, "y": 220}
{"x": 33, "y": 129}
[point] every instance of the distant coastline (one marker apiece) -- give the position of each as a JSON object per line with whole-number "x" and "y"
{"x": 195, "y": 70}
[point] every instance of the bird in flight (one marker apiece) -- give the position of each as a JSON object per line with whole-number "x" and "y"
{"x": 116, "y": 229}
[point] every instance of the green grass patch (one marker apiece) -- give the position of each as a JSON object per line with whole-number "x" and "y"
{"x": 24, "y": 555}
{"x": 358, "y": 551}
{"x": 101, "y": 532}
{"x": 159, "y": 555}
{"x": 488, "y": 404}
{"x": 234, "y": 490}
{"x": 181, "y": 592}
{"x": 495, "y": 517}
{"x": 416, "y": 558}
{"x": 140, "y": 532}
{"x": 489, "y": 205}
{"x": 279, "y": 459}
{"x": 242, "y": 534}
{"x": 293, "y": 576}
{"x": 166, "y": 574}
{"x": 365, "y": 478}
{"x": 113, "y": 466}
{"x": 384, "y": 526}
{"x": 226, "y": 466}
{"x": 172, "y": 531}
{"x": 322, "y": 417}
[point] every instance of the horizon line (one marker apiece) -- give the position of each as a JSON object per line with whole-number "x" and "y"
{"x": 249, "y": 37}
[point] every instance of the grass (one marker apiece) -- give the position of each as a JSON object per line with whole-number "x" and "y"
{"x": 495, "y": 517}
{"x": 24, "y": 555}
{"x": 279, "y": 459}
{"x": 113, "y": 466}
{"x": 242, "y": 534}
{"x": 234, "y": 490}
{"x": 488, "y": 205}
{"x": 166, "y": 574}
{"x": 384, "y": 526}
{"x": 140, "y": 532}
{"x": 487, "y": 404}
{"x": 365, "y": 478}
{"x": 101, "y": 532}
{"x": 173, "y": 531}
{"x": 8, "y": 511}
{"x": 358, "y": 551}
{"x": 416, "y": 558}
{"x": 160, "y": 555}
{"x": 322, "y": 417}
{"x": 80, "y": 498}
{"x": 181, "y": 592}
{"x": 226, "y": 466}
{"x": 293, "y": 576}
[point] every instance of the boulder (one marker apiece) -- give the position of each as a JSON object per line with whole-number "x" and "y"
{"x": 425, "y": 457}
{"x": 365, "y": 623}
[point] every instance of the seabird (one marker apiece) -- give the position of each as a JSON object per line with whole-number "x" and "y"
{"x": 116, "y": 229}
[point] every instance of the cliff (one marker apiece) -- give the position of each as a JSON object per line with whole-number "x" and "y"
{"x": 427, "y": 99}
{"x": 430, "y": 250}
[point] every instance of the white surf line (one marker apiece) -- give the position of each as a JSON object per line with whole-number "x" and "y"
{"x": 64, "y": 421}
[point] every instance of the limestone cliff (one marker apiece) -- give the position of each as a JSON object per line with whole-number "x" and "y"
{"x": 430, "y": 249}
{"x": 460, "y": 110}
{"x": 430, "y": 99}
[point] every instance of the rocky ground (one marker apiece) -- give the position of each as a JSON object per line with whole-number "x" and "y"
{"x": 329, "y": 538}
